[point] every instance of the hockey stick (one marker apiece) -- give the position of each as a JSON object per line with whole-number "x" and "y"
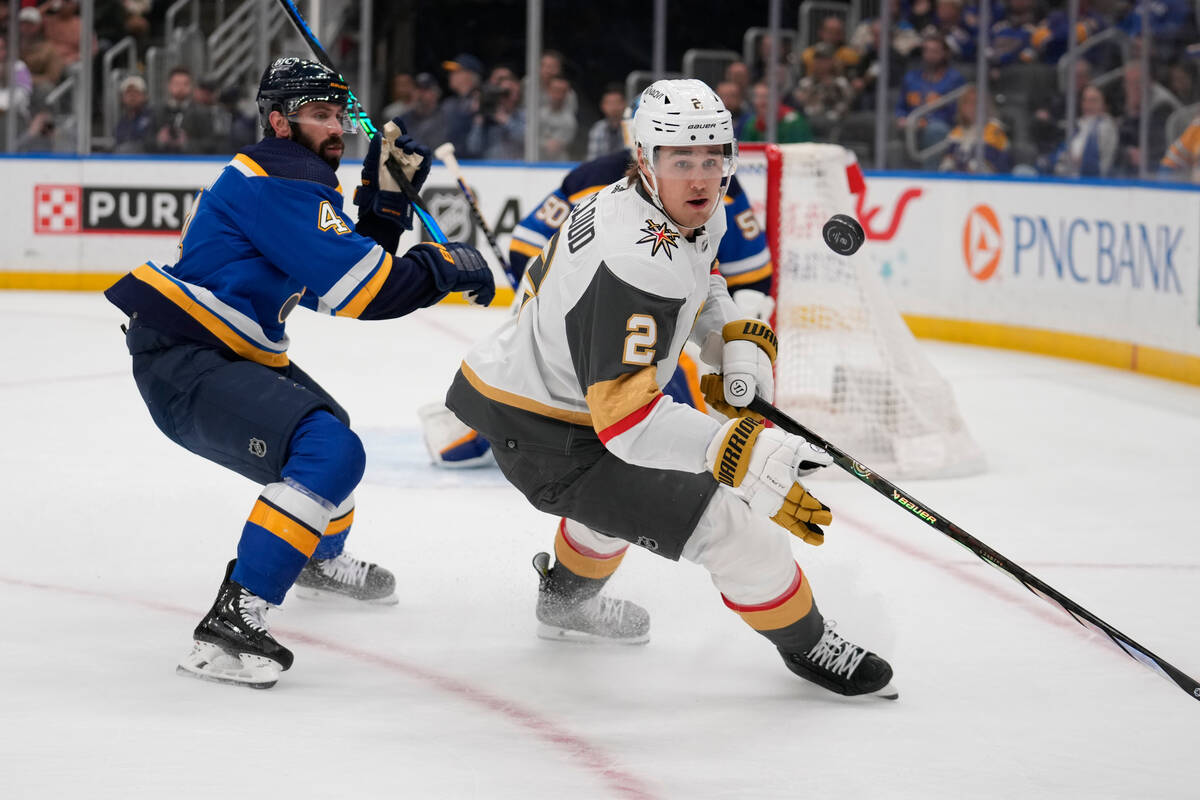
{"x": 445, "y": 152}
{"x": 359, "y": 115}
{"x": 981, "y": 550}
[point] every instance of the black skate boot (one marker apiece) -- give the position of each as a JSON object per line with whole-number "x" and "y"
{"x": 346, "y": 577}
{"x": 570, "y": 608}
{"x": 841, "y": 666}
{"x": 232, "y": 643}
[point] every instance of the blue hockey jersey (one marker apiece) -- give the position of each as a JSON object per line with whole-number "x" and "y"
{"x": 269, "y": 234}
{"x": 743, "y": 257}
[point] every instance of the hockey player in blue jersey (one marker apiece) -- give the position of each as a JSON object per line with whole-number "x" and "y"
{"x": 210, "y": 352}
{"x": 743, "y": 259}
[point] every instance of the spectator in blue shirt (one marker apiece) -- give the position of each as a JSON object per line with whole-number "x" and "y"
{"x": 933, "y": 79}
{"x": 465, "y": 73}
{"x": 133, "y": 133}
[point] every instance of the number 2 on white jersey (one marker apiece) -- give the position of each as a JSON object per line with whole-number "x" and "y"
{"x": 639, "y": 344}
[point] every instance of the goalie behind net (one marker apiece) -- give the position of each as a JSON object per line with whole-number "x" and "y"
{"x": 848, "y": 367}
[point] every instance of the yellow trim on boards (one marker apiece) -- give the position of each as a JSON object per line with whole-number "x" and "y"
{"x": 60, "y": 281}
{"x": 1093, "y": 349}
{"x": 753, "y": 276}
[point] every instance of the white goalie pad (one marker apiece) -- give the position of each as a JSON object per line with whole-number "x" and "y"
{"x": 451, "y": 444}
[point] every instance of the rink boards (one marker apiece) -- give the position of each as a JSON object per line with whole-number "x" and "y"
{"x": 1098, "y": 271}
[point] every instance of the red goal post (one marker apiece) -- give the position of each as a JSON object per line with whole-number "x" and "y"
{"x": 848, "y": 366}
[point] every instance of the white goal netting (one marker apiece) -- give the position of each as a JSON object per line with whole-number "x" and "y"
{"x": 849, "y": 368}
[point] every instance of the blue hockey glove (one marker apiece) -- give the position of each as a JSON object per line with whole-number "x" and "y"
{"x": 457, "y": 267}
{"x": 379, "y": 191}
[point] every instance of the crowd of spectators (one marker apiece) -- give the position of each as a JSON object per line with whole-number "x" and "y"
{"x": 829, "y": 91}
{"x": 482, "y": 111}
{"x": 829, "y": 87}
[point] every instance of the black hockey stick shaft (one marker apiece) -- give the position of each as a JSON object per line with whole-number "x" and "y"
{"x": 981, "y": 550}
{"x": 445, "y": 152}
{"x": 360, "y": 115}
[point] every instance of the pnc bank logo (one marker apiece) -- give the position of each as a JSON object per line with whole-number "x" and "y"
{"x": 983, "y": 242}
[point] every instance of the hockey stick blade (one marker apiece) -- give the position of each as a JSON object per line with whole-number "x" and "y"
{"x": 982, "y": 551}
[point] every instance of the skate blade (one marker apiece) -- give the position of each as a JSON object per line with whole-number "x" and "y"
{"x": 554, "y": 633}
{"x": 888, "y": 692}
{"x": 208, "y": 662}
{"x": 327, "y": 596}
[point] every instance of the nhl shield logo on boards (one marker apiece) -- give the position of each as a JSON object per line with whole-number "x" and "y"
{"x": 453, "y": 212}
{"x": 258, "y": 447}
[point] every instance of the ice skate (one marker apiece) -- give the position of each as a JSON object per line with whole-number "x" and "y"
{"x": 595, "y": 619}
{"x": 842, "y": 667}
{"x": 232, "y": 643}
{"x": 346, "y": 578}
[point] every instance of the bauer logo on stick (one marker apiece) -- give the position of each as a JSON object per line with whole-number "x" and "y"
{"x": 843, "y": 234}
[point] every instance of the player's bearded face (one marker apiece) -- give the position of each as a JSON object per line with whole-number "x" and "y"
{"x": 689, "y": 182}
{"x": 318, "y": 126}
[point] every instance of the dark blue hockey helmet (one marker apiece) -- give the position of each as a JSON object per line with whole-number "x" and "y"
{"x": 289, "y": 83}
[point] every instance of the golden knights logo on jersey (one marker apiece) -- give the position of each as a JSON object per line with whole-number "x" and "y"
{"x": 659, "y": 237}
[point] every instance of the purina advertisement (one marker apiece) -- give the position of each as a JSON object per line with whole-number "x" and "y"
{"x": 995, "y": 261}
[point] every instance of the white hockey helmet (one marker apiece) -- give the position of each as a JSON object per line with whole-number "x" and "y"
{"x": 682, "y": 113}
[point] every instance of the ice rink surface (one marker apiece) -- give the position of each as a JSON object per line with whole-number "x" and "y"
{"x": 116, "y": 541}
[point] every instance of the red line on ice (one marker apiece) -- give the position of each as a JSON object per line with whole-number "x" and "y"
{"x": 574, "y": 748}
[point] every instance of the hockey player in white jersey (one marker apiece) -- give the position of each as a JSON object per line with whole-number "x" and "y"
{"x": 569, "y": 394}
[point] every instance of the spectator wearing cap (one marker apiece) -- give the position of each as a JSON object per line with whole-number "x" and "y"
{"x": 832, "y": 34}
{"x": 43, "y": 59}
{"x": 134, "y": 130}
{"x": 464, "y": 72}
{"x": 606, "y": 135}
{"x": 425, "y": 120}
{"x": 182, "y": 126}
{"x": 400, "y": 97}
{"x": 823, "y": 94}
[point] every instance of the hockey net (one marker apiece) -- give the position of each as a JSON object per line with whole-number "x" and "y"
{"x": 848, "y": 366}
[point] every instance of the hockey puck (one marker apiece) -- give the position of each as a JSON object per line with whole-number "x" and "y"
{"x": 843, "y": 234}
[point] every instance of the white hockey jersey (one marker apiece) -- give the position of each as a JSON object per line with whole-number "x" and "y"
{"x": 610, "y": 303}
